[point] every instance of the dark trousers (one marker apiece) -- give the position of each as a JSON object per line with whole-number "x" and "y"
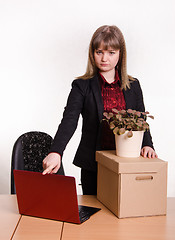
{"x": 89, "y": 182}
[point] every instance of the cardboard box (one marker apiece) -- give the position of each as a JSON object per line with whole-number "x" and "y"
{"x": 132, "y": 187}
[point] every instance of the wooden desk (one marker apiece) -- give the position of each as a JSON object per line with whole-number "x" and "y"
{"x": 13, "y": 226}
{"x": 102, "y": 225}
{"x": 106, "y": 226}
{"x": 9, "y": 216}
{"x": 37, "y": 228}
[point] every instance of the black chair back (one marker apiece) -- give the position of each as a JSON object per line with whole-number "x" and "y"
{"x": 28, "y": 153}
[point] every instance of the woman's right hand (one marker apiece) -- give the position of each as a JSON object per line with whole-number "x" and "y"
{"x": 51, "y": 163}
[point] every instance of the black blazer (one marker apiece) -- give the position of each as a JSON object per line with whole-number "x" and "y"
{"x": 85, "y": 99}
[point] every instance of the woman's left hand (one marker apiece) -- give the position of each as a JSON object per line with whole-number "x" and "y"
{"x": 148, "y": 152}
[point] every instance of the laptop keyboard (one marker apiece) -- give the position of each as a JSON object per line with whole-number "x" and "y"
{"x": 85, "y": 212}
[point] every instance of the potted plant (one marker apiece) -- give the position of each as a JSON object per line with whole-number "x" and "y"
{"x": 128, "y": 127}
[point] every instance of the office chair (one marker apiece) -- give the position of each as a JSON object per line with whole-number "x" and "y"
{"x": 28, "y": 153}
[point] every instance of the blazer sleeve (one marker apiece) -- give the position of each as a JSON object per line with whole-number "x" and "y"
{"x": 147, "y": 138}
{"x": 70, "y": 118}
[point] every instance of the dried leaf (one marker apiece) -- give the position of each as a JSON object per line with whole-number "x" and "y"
{"x": 138, "y": 114}
{"x": 121, "y": 131}
{"x": 130, "y": 134}
{"x": 115, "y": 130}
{"x": 105, "y": 114}
{"x": 130, "y": 111}
{"x": 122, "y": 111}
{"x": 111, "y": 115}
{"x": 115, "y": 110}
{"x": 150, "y": 116}
{"x": 112, "y": 125}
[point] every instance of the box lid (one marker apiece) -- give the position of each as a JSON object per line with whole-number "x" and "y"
{"x": 128, "y": 165}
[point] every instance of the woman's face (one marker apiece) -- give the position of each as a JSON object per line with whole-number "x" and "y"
{"x": 106, "y": 60}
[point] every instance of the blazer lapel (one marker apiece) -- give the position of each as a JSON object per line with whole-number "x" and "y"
{"x": 96, "y": 89}
{"x": 125, "y": 93}
{"x": 128, "y": 99}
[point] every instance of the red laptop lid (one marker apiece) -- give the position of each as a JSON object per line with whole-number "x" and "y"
{"x": 47, "y": 196}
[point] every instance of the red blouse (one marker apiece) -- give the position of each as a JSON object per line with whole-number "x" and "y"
{"x": 112, "y": 94}
{"x": 113, "y": 97}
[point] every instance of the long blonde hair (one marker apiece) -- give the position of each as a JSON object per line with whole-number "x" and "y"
{"x": 111, "y": 36}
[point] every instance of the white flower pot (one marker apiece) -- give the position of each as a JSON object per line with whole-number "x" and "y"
{"x": 129, "y": 147}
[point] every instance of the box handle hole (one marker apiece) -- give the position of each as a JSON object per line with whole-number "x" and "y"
{"x": 144, "y": 178}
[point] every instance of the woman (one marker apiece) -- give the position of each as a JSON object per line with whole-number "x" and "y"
{"x": 104, "y": 86}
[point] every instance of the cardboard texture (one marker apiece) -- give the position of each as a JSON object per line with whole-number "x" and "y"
{"x": 132, "y": 187}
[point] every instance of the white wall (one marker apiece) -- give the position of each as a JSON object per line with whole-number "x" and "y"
{"x": 44, "y": 46}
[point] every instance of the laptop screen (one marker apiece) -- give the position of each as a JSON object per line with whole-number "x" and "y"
{"x": 48, "y": 196}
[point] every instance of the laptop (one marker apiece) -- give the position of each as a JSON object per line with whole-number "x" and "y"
{"x": 50, "y": 196}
